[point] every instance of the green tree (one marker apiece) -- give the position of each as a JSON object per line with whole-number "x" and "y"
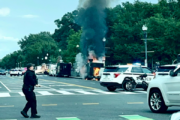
{"x": 39, "y": 45}
{"x": 72, "y": 49}
{"x": 65, "y": 25}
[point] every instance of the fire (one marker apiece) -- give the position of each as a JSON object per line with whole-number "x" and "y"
{"x": 94, "y": 59}
{"x": 96, "y": 71}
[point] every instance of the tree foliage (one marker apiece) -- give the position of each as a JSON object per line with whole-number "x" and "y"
{"x": 123, "y": 45}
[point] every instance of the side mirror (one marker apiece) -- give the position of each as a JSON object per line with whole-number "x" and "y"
{"x": 172, "y": 73}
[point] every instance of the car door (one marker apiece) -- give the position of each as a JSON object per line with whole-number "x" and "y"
{"x": 149, "y": 73}
{"x": 136, "y": 72}
{"x": 172, "y": 88}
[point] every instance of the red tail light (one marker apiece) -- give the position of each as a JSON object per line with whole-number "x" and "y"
{"x": 116, "y": 75}
{"x": 154, "y": 75}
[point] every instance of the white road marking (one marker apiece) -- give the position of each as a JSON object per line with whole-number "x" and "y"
{"x": 129, "y": 93}
{"x": 4, "y": 95}
{"x": 142, "y": 91}
{"x": 104, "y": 92}
{"x": 44, "y": 92}
{"x": 21, "y": 93}
{"x": 65, "y": 92}
{"x": 85, "y": 92}
{"x": 5, "y": 87}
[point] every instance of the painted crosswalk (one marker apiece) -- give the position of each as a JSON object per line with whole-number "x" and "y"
{"x": 68, "y": 92}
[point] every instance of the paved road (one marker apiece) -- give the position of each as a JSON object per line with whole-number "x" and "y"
{"x": 75, "y": 99}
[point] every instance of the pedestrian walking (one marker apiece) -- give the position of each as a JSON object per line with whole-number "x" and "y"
{"x": 30, "y": 80}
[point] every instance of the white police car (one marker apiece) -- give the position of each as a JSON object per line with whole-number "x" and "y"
{"x": 127, "y": 77}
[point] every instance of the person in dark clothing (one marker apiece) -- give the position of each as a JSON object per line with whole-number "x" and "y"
{"x": 30, "y": 80}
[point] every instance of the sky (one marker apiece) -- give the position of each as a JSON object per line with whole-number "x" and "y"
{"x": 19, "y": 18}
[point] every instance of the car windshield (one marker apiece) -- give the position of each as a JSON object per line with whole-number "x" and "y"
{"x": 115, "y": 69}
{"x": 111, "y": 69}
{"x": 166, "y": 68}
{"x": 146, "y": 70}
{"x": 137, "y": 70}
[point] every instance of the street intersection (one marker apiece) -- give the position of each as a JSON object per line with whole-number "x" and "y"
{"x": 75, "y": 99}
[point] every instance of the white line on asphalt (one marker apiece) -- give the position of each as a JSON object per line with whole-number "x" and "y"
{"x": 49, "y": 104}
{"x": 21, "y": 93}
{"x": 65, "y": 92}
{"x": 44, "y": 93}
{"x": 90, "y": 103}
{"x": 5, "y": 87}
{"x": 104, "y": 92}
{"x": 128, "y": 93}
{"x": 65, "y": 117}
{"x": 142, "y": 91}
{"x": 4, "y": 95}
{"x": 48, "y": 87}
{"x": 84, "y": 92}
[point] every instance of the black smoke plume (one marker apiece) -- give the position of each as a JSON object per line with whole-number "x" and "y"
{"x": 91, "y": 18}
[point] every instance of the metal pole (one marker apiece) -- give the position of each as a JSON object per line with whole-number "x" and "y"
{"x": 146, "y": 48}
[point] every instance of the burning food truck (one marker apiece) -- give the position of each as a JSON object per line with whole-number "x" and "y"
{"x": 93, "y": 69}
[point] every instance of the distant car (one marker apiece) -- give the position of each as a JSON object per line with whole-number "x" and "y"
{"x": 15, "y": 72}
{"x": 2, "y": 72}
{"x": 164, "y": 91}
{"x": 127, "y": 77}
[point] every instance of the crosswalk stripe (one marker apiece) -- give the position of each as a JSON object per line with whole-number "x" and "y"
{"x": 142, "y": 91}
{"x": 4, "y": 95}
{"x": 84, "y": 92}
{"x": 104, "y": 92}
{"x": 21, "y": 93}
{"x": 44, "y": 92}
{"x": 65, "y": 92}
{"x": 129, "y": 93}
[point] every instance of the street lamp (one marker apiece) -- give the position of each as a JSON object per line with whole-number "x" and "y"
{"x": 77, "y": 46}
{"x": 104, "y": 41}
{"x": 144, "y": 28}
{"x": 37, "y": 60}
{"x": 47, "y": 54}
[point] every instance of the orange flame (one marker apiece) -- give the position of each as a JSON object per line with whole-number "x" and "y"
{"x": 96, "y": 71}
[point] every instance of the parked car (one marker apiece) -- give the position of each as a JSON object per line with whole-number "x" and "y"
{"x": 15, "y": 72}
{"x": 2, "y": 72}
{"x": 164, "y": 91}
{"x": 164, "y": 69}
{"x": 127, "y": 77}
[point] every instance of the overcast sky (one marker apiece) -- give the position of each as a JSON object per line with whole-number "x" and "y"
{"x": 19, "y": 18}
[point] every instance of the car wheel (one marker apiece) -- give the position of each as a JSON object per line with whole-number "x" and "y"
{"x": 128, "y": 85}
{"x": 111, "y": 88}
{"x": 156, "y": 102}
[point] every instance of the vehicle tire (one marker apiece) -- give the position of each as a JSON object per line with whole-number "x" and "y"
{"x": 144, "y": 85}
{"x": 128, "y": 85}
{"x": 111, "y": 88}
{"x": 156, "y": 102}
